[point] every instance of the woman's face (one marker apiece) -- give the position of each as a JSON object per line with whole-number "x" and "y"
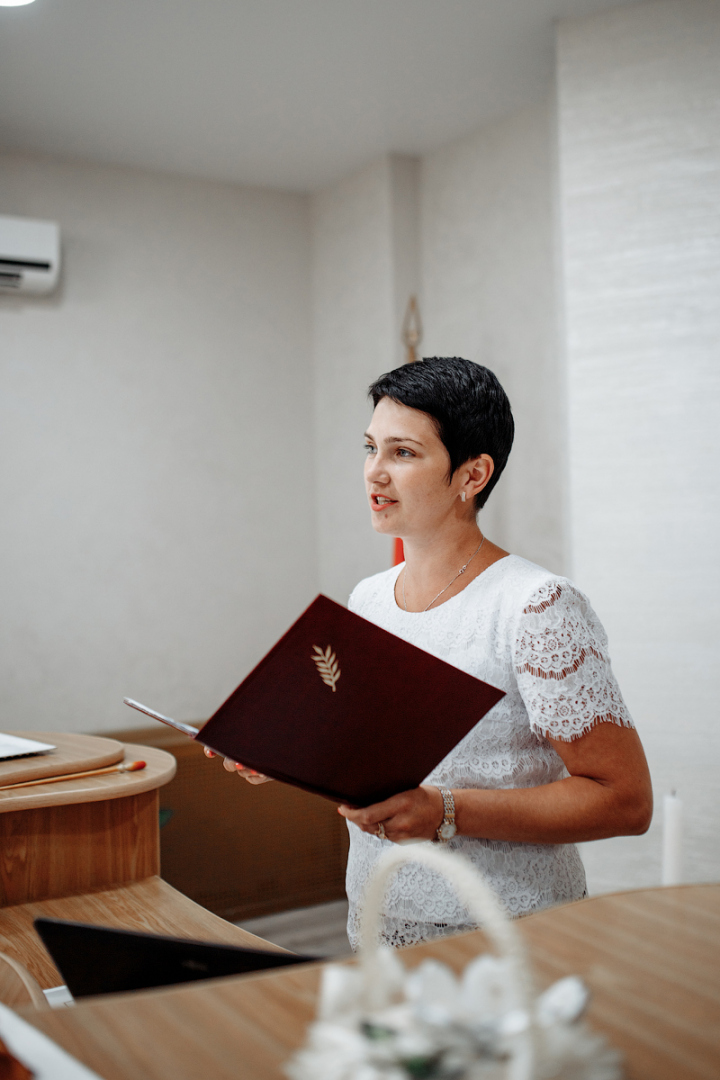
{"x": 406, "y": 473}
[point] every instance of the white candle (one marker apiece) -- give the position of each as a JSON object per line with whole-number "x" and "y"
{"x": 672, "y": 856}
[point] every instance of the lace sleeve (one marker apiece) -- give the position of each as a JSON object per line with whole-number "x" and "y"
{"x": 562, "y": 665}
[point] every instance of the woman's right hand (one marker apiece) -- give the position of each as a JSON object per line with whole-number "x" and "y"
{"x": 251, "y": 775}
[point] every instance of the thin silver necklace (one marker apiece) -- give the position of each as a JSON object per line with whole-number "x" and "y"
{"x": 460, "y": 571}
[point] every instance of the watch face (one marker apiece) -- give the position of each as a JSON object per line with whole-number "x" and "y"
{"x": 447, "y": 830}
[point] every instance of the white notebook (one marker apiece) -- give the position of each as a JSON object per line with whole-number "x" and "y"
{"x": 12, "y": 747}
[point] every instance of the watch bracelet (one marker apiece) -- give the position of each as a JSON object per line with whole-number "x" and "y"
{"x": 448, "y": 814}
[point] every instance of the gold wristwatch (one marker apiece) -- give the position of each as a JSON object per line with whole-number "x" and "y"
{"x": 447, "y": 828}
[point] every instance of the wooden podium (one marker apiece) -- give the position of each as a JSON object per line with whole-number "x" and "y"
{"x": 89, "y": 850}
{"x": 74, "y": 835}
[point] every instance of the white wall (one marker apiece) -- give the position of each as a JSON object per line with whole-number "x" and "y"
{"x": 160, "y": 419}
{"x": 639, "y": 92}
{"x": 156, "y": 445}
{"x": 357, "y": 275}
{"x": 489, "y": 294}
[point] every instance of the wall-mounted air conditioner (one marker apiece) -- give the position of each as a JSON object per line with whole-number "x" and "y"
{"x": 29, "y": 255}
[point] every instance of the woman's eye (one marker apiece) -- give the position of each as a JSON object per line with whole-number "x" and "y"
{"x": 369, "y": 448}
{"x": 402, "y": 452}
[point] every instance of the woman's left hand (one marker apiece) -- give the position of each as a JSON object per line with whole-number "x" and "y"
{"x": 251, "y": 775}
{"x": 411, "y": 815}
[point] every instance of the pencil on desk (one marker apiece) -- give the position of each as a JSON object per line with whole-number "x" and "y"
{"x": 130, "y": 766}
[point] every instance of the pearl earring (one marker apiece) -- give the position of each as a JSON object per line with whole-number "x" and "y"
{"x": 462, "y": 496}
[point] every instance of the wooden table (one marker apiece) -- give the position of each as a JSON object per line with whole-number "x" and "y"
{"x": 651, "y": 959}
{"x": 89, "y": 850}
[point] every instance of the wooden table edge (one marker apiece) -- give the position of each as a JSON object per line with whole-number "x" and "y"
{"x": 160, "y": 770}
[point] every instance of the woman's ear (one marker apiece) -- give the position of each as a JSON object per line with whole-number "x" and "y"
{"x": 479, "y": 472}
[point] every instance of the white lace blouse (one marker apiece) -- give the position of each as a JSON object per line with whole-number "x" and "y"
{"x": 535, "y": 636}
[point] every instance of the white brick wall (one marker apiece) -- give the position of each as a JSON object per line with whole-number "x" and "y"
{"x": 639, "y": 120}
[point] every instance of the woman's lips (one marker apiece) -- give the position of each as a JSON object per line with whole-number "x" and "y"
{"x": 380, "y": 502}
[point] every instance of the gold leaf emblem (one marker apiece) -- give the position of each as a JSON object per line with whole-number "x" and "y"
{"x": 327, "y": 666}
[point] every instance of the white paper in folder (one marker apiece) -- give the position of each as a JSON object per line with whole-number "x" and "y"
{"x": 13, "y": 747}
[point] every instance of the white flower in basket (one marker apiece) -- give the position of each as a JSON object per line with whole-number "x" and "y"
{"x": 377, "y": 1021}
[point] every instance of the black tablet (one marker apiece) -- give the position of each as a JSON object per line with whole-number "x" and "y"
{"x": 103, "y": 960}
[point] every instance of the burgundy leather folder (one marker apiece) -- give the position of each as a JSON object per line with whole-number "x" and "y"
{"x": 345, "y": 709}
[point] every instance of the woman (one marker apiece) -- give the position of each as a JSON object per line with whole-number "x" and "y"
{"x": 557, "y": 760}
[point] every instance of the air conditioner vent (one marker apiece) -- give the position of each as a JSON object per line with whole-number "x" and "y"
{"x": 29, "y": 264}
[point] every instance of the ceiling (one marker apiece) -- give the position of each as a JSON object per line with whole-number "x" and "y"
{"x": 289, "y": 94}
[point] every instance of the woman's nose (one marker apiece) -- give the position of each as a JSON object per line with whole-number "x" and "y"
{"x": 375, "y": 469}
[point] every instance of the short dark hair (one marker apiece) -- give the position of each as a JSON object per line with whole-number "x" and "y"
{"x": 467, "y": 404}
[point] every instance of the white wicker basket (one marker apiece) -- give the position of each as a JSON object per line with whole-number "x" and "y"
{"x": 376, "y": 1021}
